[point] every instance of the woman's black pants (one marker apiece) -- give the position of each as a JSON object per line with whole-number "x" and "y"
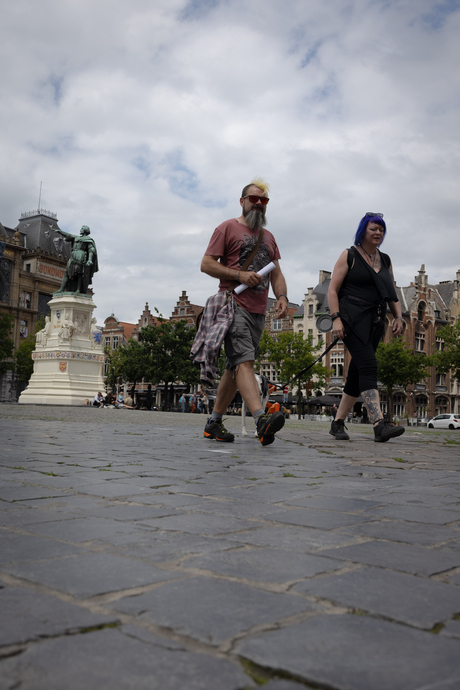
{"x": 362, "y": 372}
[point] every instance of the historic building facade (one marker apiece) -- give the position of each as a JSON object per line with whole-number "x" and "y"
{"x": 185, "y": 310}
{"x": 32, "y": 263}
{"x": 274, "y": 326}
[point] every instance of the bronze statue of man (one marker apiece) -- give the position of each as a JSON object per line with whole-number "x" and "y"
{"x": 82, "y": 263}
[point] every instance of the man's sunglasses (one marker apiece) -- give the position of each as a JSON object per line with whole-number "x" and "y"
{"x": 253, "y": 198}
{"x": 371, "y": 213}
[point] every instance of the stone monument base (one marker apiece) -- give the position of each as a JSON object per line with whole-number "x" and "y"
{"x": 69, "y": 355}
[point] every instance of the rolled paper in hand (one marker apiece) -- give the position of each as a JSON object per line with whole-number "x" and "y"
{"x": 263, "y": 271}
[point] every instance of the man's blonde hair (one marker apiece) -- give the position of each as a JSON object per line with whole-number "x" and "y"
{"x": 257, "y": 182}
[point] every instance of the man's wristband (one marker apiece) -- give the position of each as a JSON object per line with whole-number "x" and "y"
{"x": 399, "y": 317}
{"x": 279, "y": 297}
{"x": 335, "y": 315}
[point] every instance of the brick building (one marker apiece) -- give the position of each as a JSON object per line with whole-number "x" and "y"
{"x": 185, "y": 310}
{"x": 32, "y": 263}
{"x": 274, "y": 326}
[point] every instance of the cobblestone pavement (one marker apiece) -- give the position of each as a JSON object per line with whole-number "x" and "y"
{"x": 136, "y": 554}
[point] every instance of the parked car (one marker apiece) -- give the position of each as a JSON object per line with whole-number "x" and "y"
{"x": 445, "y": 421}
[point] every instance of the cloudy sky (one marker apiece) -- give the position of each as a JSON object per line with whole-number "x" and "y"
{"x": 145, "y": 118}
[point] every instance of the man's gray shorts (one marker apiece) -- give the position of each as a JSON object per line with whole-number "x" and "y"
{"x": 243, "y": 336}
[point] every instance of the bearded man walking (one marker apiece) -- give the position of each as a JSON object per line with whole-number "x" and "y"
{"x": 231, "y": 244}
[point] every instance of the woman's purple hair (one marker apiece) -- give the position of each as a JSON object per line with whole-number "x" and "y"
{"x": 363, "y": 225}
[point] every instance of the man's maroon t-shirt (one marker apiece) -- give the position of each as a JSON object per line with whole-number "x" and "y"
{"x": 232, "y": 242}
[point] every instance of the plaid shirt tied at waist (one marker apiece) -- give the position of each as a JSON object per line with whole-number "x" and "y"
{"x": 217, "y": 318}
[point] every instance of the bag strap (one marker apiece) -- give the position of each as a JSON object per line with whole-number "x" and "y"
{"x": 380, "y": 285}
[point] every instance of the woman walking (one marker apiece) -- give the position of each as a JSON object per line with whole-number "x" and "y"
{"x": 362, "y": 285}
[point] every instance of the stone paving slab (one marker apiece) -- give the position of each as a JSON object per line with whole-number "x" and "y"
{"x": 28, "y": 615}
{"x": 415, "y": 601}
{"x": 111, "y": 659}
{"x": 410, "y": 559}
{"x": 357, "y": 652}
{"x": 409, "y": 533}
{"x": 316, "y": 518}
{"x": 89, "y": 575}
{"x": 323, "y": 564}
{"x": 17, "y": 548}
{"x": 212, "y": 610}
{"x": 263, "y": 565}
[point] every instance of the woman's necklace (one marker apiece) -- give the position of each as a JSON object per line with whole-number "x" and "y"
{"x": 371, "y": 256}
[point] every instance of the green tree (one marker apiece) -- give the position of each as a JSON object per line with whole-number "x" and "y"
{"x": 6, "y": 343}
{"x": 24, "y": 364}
{"x": 127, "y": 363}
{"x": 399, "y": 366}
{"x": 168, "y": 346}
{"x": 114, "y": 362}
{"x": 448, "y": 359}
{"x": 291, "y": 353}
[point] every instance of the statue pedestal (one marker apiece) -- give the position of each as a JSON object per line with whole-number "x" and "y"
{"x": 69, "y": 355}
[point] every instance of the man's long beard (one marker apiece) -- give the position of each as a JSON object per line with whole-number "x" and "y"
{"x": 255, "y": 219}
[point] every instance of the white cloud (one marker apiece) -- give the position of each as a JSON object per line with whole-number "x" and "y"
{"x": 144, "y": 120}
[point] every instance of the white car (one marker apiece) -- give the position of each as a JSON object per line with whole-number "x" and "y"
{"x": 445, "y": 421}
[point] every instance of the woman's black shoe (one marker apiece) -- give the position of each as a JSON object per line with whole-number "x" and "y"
{"x": 383, "y": 432}
{"x": 338, "y": 430}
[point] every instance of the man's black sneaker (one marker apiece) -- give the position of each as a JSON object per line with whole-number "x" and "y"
{"x": 215, "y": 429}
{"x": 384, "y": 431}
{"x": 268, "y": 425}
{"x": 338, "y": 430}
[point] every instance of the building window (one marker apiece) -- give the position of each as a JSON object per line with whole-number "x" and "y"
{"x": 440, "y": 379}
{"x": 277, "y": 324}
{"x": 421, "y": 311}
{"x": 310, "y": 335}
{"x": 115, "y": 341}
{"x": 320, "y": 338}
{"x": 441, "y": 405}
{"x": 28, "y": 266}
{"x": 399, "y": 405}
{"x": 420, "y": 342}
{"x": 182, "y": 311}
{"x": 310, "y": 309}
{"x": 107, "y": 343}
{"x": 23, "y": 330}
{"x": 24, "y": 300}
{"x": 337, "y": 363}
{"x": 421, "y": 405}
{"x": 439, "y": 343}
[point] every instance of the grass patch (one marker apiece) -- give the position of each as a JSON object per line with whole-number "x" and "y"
{"x": 251, "y": 479}
{"x": 288, "y": 474}
{"x": 261, "y": 676}
{"x": 436, "y": 629}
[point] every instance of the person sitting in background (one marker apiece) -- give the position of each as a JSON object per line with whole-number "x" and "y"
{"x": 98, "y": 400}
